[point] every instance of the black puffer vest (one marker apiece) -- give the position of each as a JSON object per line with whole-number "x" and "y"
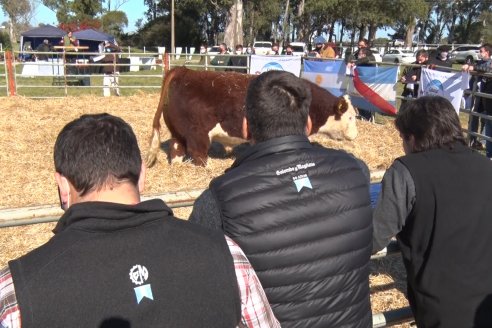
{"x": 302, "y": 215}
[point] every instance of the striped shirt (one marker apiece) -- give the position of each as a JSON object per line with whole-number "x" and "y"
{"x": 255, "y": 309}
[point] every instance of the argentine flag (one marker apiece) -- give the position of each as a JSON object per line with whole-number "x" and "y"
{"x": 328, "y": 74}
{"x": 374, "y": 88}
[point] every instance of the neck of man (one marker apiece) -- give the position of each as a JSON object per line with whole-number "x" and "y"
{"x": 121, "y": 193}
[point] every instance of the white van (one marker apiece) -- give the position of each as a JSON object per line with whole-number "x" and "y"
{"x": 262, "y": 47}
{"x": 299, "y": 48}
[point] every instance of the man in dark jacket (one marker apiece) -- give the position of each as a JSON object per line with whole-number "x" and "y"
{"x": 300, "y": 212}
{"x": 115, "y": 261}
{"x": 411, "y": 75}
{"x": 437, "y": 200}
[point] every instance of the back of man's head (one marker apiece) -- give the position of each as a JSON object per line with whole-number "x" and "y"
{"x": 277, "y": 105}
{"x": 97, "y": 151}
{"x": 431, "y": 121}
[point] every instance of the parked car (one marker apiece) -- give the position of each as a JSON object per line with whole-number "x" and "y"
{"x": 465, "y": 54}
{"x": 298, "y": 48}
{"x": 262, "y": 47}
{"x": 399, "y": 56}
{"x": 376, "y": 55}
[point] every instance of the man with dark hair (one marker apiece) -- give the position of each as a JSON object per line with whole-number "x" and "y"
{"x": 439, "y": 59}
{"x": 238, "y": 60}
{"x": 482, "y": 105}
{"x": 222, "y": 59}
{"x": 437, "y": 200}
{"x": 411, "y": 74}
{"x": 115, "y": 261}
{"x": 300, "y": 212}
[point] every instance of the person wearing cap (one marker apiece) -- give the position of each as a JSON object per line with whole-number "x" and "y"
{"x": 43, "y": 47}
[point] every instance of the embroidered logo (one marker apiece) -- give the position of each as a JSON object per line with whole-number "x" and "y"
{"x": 138, "y": 275}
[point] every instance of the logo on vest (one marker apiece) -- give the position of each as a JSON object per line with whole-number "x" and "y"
{"x": 138, "y": 275}
{"x": 302, "y": 181}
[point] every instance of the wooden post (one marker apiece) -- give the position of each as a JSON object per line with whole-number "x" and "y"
{"x": 10, "y": 73}
{"x": 166, "y": 62}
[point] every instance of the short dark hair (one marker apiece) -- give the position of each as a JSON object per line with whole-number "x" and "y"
{"x": 277, "y": 105}
{"x": 422, "y": 52}
{"x": 365, "y": 51}
{"x": 97, "y": 150}
{"x": 432, "y": 121}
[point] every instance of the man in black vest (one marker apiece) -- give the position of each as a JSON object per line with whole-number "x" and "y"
{"x": 115, "y": 261}
{"x": 437, "y": 200}
{"x": 300, "y": 212}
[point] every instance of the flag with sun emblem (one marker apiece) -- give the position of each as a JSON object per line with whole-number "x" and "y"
{"x": 328, "y": 74}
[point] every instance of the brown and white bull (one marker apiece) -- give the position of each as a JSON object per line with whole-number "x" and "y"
{"x": 199, "y": 107}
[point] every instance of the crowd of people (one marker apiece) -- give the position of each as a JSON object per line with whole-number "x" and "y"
{"x": 282, "y": 238}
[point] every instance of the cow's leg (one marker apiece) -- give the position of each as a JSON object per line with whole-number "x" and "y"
{"x": 197, "y": 149}
{"x": 176, "y": 151}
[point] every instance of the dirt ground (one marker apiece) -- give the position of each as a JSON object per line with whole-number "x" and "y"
{"x": 28, "y": 129}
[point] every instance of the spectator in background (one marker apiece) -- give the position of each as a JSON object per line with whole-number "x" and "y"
{"x": 274, "y": 50}
{"x": 69, "y": 40}
{"x": 238, "y": 59}
{"x": 437, "y": 201}
{"x": 353, "y": 57}
{"x": 482, "y": 104}
{"x": 440, "y": 58}
{"x": 328, "y": 51}
{"x": 204, "y": 59}
{"x": 300, "y": 212}
{"x": 43, "y": 47}
{"x": 316, "y": 52}
{"x": 117, "y": 261}
{"x": 111, "y": 71}
{"x": 222, "y": 59}
{"x": 411, "y": 75}
{"x": 288, "y": 50}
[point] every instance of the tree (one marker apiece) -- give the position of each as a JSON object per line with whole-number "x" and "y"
{"x": 234, "y": 30}
{"x": 20, "y": 13}
{"x": 113, "y": 22}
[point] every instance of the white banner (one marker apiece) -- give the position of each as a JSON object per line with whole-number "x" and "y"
{"x": 260, "y": 64}
{"x": 444, "y": 84}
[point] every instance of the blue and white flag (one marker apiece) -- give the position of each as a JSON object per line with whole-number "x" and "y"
{"x": 329, "y": 74}
{"x": 374, "y": 88}
{"x": 260, "y": 64}
{"x": 444, "y": 84}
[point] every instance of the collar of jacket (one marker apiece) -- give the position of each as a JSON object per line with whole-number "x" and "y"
{"x": 105, "y": 217}
{"x": 273, "y": 146}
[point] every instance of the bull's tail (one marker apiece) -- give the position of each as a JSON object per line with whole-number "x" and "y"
{"x": 155, "y": 140}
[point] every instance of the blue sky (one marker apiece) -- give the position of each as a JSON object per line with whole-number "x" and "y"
{"x": 134, "y": 10}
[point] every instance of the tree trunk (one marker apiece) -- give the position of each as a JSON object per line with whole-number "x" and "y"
{"x": 285, "y": 32}
{"x": 409, "y": 35}
{"x": 233, "y": 34}
{"x": 372, "y": 32}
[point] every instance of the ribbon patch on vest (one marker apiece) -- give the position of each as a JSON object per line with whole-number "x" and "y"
{"x": 138, "y": 275}
{"x": 302, "y": 181}
{"x": 143, "y": 291}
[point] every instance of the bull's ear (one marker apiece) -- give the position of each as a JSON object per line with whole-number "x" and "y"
{"x": 342, "y": 105}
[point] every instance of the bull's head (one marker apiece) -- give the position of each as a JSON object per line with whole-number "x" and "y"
{"x": 343, "y": 123}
